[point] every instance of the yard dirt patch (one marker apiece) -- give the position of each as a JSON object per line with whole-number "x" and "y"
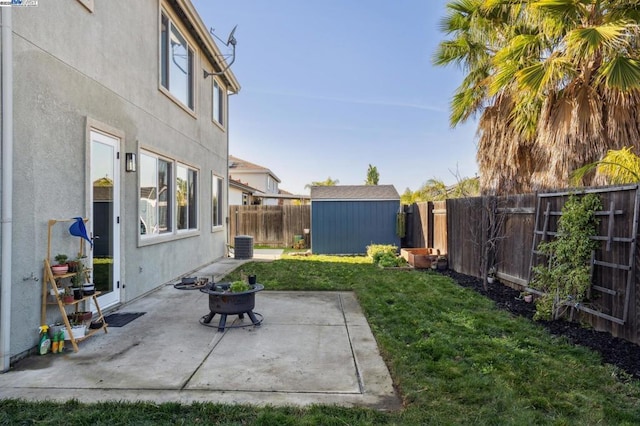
{"x": 613, "y": 350}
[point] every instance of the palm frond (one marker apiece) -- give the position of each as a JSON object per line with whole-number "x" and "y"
{"x": 621, "y": 73}
{"x": 587, "y": 41}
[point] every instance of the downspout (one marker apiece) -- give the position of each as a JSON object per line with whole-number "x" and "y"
{"x": 226, "y": 196}
{"x": 7, "y": 186}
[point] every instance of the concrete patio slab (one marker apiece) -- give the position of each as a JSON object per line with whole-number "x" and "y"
{"x": 312, "y": 347}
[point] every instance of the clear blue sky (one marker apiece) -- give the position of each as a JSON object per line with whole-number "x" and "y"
{"x": 331, "y": 86}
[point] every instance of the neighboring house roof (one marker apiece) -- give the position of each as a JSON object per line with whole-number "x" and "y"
{"x": 238, "y": 184}
{"x": 354, "y": 192}
{"x": 187, "y": 12}
{"x": 239, "y": 165}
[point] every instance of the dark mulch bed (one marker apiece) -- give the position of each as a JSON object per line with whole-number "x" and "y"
{"x": 613, "y": 350}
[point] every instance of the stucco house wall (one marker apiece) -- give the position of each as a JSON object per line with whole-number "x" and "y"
{"x": 76, "y": 70}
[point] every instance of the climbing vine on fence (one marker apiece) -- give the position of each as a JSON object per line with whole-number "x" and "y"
{"x": 566, "y": 278}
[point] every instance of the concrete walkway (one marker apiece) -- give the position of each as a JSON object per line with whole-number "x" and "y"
{"x": 312, "y": 347}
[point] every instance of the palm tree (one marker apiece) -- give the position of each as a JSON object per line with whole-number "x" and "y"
{"x": 432, "y": 190}
{"x": 617, "y": 167}
{"x": 555, "y": 82}
{"x": 466, "y": 187}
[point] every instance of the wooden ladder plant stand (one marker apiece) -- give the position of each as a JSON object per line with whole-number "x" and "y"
{"x": 52, "y": 280}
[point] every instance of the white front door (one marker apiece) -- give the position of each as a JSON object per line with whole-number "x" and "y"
{"x": 105, "y": 217}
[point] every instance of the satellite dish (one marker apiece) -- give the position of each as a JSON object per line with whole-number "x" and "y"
{"x": 231, "y": 40}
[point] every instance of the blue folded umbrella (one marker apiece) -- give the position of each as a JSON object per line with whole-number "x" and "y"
{"x": 78, "y": 229}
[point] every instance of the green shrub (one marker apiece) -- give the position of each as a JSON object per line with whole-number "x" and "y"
{"x": 376, "y": 251}
{"x": 566, "y": 277}
{"x": 388, "y": 260}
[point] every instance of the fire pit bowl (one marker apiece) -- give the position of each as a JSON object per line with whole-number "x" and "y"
{"x": 224, "y": 302}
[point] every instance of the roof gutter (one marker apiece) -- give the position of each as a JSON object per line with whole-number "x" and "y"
{"x": 7, "y": 186}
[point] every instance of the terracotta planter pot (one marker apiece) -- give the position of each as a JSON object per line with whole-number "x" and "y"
{"x": 60, "y": 269}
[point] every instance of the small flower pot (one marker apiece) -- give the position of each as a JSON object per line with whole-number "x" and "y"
{"x": 252, "y": 279}
{"x": 442, "y": 264}
{"x": 88, "y": 289}
{"x": 82, "y": 316}
{"x": 77, "y": 330}
{"x": 60, "y": 269}
{"x": 68, "y": 298}
{"x": 77, "y": 294}
{"x": 528, "y": 298}
{"x": 491, "y": 280}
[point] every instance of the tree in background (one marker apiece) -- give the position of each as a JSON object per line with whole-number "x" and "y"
{"x": 466, "y": 187}
{"x": 372, "y": 176}
{"x": 409, "y": 197}
{"x": 556, "y": 84}
{"x": 327, "y": 182}
{"x": 432, "y": 190}
{"x": 437, "y": 190}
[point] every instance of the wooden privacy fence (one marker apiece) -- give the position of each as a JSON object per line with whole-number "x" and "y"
{"x": 426, "y": 225}
{"x": 275, "y": 226}
{"x": 505, "y": 231}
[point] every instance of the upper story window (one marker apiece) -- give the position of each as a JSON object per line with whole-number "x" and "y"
{"x": 176, "y": 63}
{"x": 218, "y": 103}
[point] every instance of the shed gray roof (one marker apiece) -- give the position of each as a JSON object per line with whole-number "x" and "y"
{"x": 354, "y": 192}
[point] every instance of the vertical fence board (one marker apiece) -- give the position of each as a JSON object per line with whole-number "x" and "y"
{"x": 517, "y": 217}
{"x": 440, "y": 226}
{"x": 465, "y": 234}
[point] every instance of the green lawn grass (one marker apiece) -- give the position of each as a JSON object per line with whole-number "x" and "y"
{"x": 453, "y": 356}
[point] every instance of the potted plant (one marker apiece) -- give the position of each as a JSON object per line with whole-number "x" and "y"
{"x": 442, "y": 263}
{"x": 78, "y": 279}
{"x": 80, "y": 317}
{"x": 61, "y": 267}
{"x": 67, "y": 296}
{"x": 239, "y": 286}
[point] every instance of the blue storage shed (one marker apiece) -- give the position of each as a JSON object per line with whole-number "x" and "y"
{"x": 345, "y": 219}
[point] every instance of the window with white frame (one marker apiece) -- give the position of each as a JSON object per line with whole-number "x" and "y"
{"x": 217, "y": 204}
{"x": 186, "y": 196}
{"x": 156, "y": 202}
{"x": 176, "y": 62}
{"x": 218, "y": 103}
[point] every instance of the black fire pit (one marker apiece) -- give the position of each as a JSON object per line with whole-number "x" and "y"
{"x": 224, "y": 302}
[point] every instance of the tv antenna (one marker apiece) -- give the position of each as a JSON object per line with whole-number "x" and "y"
{"x": 231, "y": 40}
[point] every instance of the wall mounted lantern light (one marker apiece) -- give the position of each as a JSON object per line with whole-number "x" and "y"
{"x": 130, "y": 162}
